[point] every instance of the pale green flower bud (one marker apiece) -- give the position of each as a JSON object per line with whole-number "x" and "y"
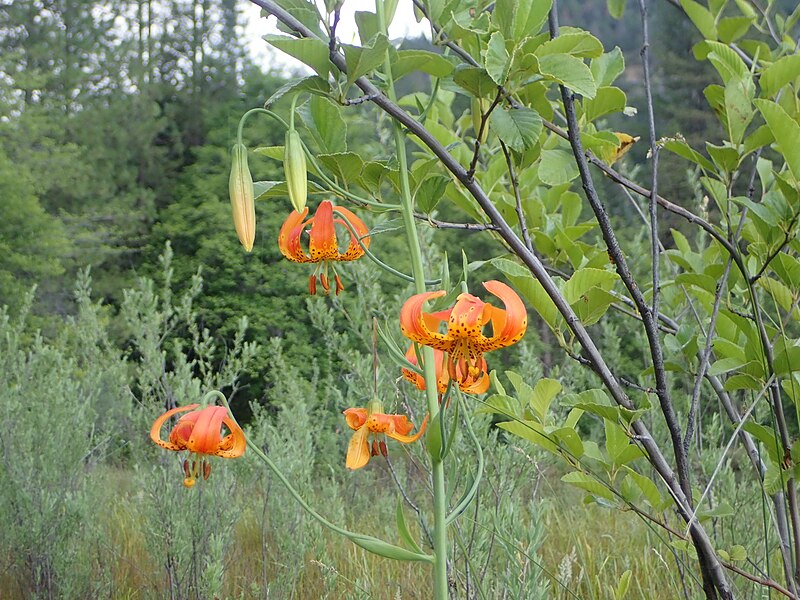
{"x": 242, "y": 201}
{"x": 294, "y": 166}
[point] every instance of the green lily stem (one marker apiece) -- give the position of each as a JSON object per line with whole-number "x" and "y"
{"x": 441, "y": 586}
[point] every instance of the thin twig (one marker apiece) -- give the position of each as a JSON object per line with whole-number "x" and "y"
{"x": 512, "y": 174}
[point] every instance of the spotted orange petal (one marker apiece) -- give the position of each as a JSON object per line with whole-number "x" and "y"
{"x": 155, "y": 430}
{"x": 420, "y": 326}
{"x": 407, "y": 439}
{"x": 355, "y": 417}
{"x": 323, "y": 244}
{"x": 354, "y": 249}
{"x": 509, "y": 325}
{"x": 289, "y": 236}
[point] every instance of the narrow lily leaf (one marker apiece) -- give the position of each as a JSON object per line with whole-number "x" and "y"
{"x": 387, "y": 550}
{"x": 402, "y": 529}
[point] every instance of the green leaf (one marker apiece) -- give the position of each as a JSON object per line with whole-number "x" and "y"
{"x": 557, "y": 166}
{"x": 779, "y": 73}
{"x": 786, "y": 132}
{"x": 385, "y": 549}
{"x": 532, "y": 290}
{"x": 681, "y": 148}
{"x": 367, "y": 23}
{"x": 519, "y": 128}
{"x": 502, "y": 405}
{"x": 570, "y": 72}
{"x": 476, "y": 81}
{"x": 325, "y": 123}
{"x": 731, "y": 29}
{"x": 543, "y": 393}
{"x": 313, "y": 84}
{"x": 623, "y": 585}
{"x": 701, "y": 17}
{"x": 616, "y": 8}
{"x": 581, "y": 44}
{"x": 606, "y": 68}
{"x": 347, "y": 166}
{"x": 649, "y": 489}
{"x": 616, "y": 439}
{"x": 402, "y": 529}
{"x": 739, "y": 111}
{"x": 588, "y": 483}
{"x": 585, "y": 279}
{"x": 408, "y": 61}
{"x": 787, "y": 359}
{"x": 430, "y": 191}
{"x": 534, "y": 432}
{"x": 518, "y": 19}
{"x": 608, "y": 100}
{"x": 497, "y": 60}
{"x": 728, "y": 64}
{"x": 309, "y": 51}
{"x": 364, "y": 59}
{"x": 263, "y": 190}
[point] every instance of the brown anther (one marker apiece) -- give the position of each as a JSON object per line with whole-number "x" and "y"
{"x": 186, "y": 470}
{"x": 312, "y": 285}
{"x": 206, "y": 469}
{"x": 339, "y": 286}
{"x": 323, "y": 279}
{"x": 384, "y": 451}
{"x": 374, "y": 448}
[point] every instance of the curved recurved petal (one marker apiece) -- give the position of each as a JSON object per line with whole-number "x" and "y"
{"x": 355, "y": 417}
{"x": 508, "y": 325}
{"x": 421, "y": 327}
{"x": 358, "y": 449}
{"x": 468, "y": 317}
{"x": 155, "y": 430}
{"x": 234, "y": 443}
{"x": 354, "y": 249}
{"x": 407, "y": 439}
{"x": 323, "y": 244}
{"x": 207, "y": 432}
{"x": 289, "y": 236}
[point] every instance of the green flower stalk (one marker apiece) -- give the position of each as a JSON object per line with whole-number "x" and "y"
{"x": 242, "y": 197}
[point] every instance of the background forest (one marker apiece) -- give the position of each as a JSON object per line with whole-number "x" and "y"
{"x": 125, "y": 289}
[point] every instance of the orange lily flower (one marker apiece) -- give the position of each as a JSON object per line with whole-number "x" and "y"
{"x": 464, "y": 341}
{"x": 371, "y": 422}
{"x": 323, "y": 247}
{"x": 200, "y": 432}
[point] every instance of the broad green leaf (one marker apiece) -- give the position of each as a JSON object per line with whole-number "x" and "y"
{"x": 532, "y": 290}
{"x": 324, "y": 121}
{"x": 408, "y": 61}
{"x": 728, "y": 64}
{"x": 557, "y": 166}
{"x": 739, "y": 94}
{"x": 648, "y": 488}
{"x": 347, "y": 166}
{"x": 681, "y": 148}
{"x": 517, "y": 19}
{"x": 779, "y": 73}
{"x": 606, "y": 68}
{"x": 313, "y": 84}
{"x": 589, "y": 483}
{"x": 367, "y": 23}
{"x": 497, "y": 59}
{"x": 786, "y": 132}
{"x": 782, "y": 294}
{"x": 738, "y": 553}
{"x": 766, "y": 436}
{"x": 476, "y": 81}
{"x": 725, "y": 157}
{"x": 570, "y": 72}
{"x": 502, "y": 405}
{"x": 581, "y": 44}
{"x": 616, "y": 8}
{"x": 731, "y": 29}
{"x": 430, "y": 191}
{"x": 543, "y": 393}
{"x": 519, "y": 128}
{"x": 363, "y": 59}
{"x": 309, "y": 51}
{"x": 787, "y": 359}
{"x": 616, "y": 439}
{"x": 608, "y": 100}
{"x": 569, "y": 440}
{"x": 701, "y": 17}
{"x": 725, "y": 365}
{"x": 585, "y": 279}
{"x": 533, "y": 431}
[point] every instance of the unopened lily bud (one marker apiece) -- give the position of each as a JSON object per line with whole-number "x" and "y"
{"x": 242, "y": 200}
{"x": 478, "y": 106}
{"x": 294, "y": 166}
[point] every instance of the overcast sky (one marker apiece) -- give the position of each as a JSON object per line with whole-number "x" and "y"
{"x": 404, "y": 24}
